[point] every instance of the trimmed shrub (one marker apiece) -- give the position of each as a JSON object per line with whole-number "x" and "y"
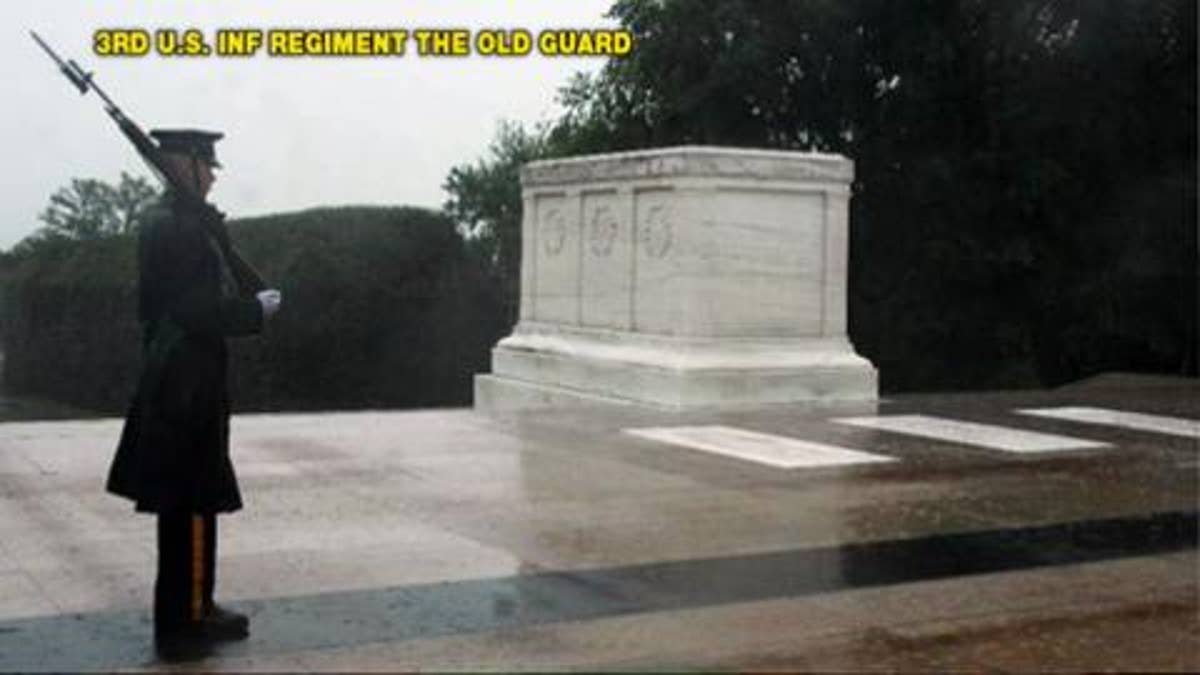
{"x": 383, "y": 307}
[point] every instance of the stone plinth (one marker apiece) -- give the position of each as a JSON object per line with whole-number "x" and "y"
{"x": 682, "y": 278}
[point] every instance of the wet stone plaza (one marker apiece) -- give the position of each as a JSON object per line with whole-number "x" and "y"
{"x": 1045, "y": 530}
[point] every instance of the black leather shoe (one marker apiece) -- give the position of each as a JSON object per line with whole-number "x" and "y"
{"x": 181, "y": 644}
{"x": 225, "y": 624}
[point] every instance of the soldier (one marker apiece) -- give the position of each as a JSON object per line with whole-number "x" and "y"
{"x": 173, "y": 456}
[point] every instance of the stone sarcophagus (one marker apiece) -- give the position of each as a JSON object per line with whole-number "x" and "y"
{"x": 687, "y": 277}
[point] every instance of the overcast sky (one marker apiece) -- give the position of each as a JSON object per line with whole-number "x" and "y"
{"x": 300, "y": 132}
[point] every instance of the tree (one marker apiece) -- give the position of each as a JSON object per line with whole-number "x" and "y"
{"x": 485, "y": 201}
{"x": 1025, "y": 197}
{"x": 91, "y": 208}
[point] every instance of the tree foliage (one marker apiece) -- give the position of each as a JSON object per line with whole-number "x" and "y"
{"x": 383, "y": 309}
{"x": 1024, "y": 210}
{"x": 485, "y": 201}
{"x": 90, "y": 209}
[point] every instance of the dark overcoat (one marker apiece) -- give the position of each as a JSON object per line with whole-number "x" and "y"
{"x": 174, "y": 448}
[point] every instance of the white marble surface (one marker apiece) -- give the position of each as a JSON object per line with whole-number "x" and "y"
{"x": 989, "y": 436}
{"x": 370, "y": 500}
{"x": 692, "y": 160}
{"x": 331, "y": 505}
{"x": 753, "y": 446}
{"x": 757, "y": 264}
{"x": 606, "y": 262}
{"x": 1162, "y": 424}
{"x": 683, "y": 277}
{"x": 689, "y": 242}
{"x": 554, "y": 229}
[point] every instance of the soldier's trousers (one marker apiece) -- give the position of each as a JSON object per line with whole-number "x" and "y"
{"x": 187, "y": 554}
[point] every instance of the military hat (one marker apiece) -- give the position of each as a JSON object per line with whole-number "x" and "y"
{"x": 193, "y": 142}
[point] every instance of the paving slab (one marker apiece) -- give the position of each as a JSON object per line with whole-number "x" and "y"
{"x": 445, "y": 539}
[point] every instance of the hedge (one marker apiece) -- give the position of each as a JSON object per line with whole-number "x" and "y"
{"x": 383, "y": 307}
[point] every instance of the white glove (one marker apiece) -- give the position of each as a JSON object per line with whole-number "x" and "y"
{"x": 270, "y": 300}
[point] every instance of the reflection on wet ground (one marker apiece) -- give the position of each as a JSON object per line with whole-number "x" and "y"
{"x": 338, "y": 620}
{"x": 444, "y": 540}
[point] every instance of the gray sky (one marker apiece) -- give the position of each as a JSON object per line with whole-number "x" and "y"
{"x": 300, "y": 132}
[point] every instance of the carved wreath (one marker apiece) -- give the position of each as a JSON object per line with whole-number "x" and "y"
{"x": 656, "y": 231}
{"x": 554, "y": 232}
{"x": 603, "y": 231}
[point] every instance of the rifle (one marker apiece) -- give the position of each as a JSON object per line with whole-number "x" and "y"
{"x": 248, "y": 279}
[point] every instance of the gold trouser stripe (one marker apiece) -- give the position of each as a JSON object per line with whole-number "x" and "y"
{"x": 197, "y": 567}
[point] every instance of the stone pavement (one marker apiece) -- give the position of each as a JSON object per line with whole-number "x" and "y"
{"x": 1017, "y": 530}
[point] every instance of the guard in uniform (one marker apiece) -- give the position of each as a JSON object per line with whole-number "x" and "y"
{"x": 173, "y": 456}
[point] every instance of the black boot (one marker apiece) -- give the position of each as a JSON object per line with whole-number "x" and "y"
{"x": 225, "y": 624}
{"x": 181, "y": 643}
